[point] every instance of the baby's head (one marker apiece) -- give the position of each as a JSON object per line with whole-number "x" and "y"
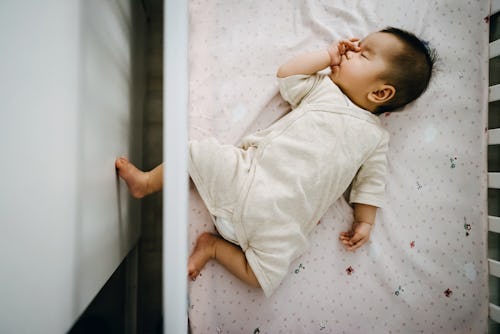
{"x": 392, "y": 69}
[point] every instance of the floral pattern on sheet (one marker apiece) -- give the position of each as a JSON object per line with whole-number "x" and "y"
{"x": 424, "y": 269}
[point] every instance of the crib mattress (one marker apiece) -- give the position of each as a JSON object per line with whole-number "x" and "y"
{"x": 424, "y": 269}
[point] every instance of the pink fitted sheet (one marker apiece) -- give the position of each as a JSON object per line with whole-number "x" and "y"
{"x": 424, "y": 269}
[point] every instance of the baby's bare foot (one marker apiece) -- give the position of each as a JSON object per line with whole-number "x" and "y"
{"x": 202, "y": 253}
{"x": 137, "y": 180}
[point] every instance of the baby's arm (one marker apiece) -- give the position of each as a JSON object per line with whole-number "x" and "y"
{"x": 364, "y": 218}
{"x": 308, "y": 63}
{"x": 313, "y": 62}
{"x": 367, "y": 187}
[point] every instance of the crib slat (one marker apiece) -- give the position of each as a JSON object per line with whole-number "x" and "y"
{"x": 494, "y": 312}
{"x": 495, "y": 6}
{"x": 495, "y": 48}
{"x": 494, "y": 180}
{"x": 494, "y": 136}
{"x": 494, "y": 93}
{"x": 494, "y": 267}
{"x": 494, "y": 224}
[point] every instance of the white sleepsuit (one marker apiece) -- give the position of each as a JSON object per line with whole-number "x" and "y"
{"x": 277, "y": 185}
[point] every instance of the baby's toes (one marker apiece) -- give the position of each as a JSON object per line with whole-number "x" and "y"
{"x": 120, "y": 162}
{"x": 194, "y": 274}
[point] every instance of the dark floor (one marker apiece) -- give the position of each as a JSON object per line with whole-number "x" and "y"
{"x": 106, "y": 313}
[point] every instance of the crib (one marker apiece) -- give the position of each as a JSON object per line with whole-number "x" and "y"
{"x": 433, "y": 262}
{"x": 494, "y": 168}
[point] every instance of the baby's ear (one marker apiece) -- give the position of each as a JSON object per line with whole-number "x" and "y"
{"x": 382, "y": 95}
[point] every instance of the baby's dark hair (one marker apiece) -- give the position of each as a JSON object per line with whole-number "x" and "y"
{"x": 410, "y": 70}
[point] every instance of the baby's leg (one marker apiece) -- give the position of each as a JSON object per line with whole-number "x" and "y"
{"x": 140, "y": 183}
{"x": 230, "y": 256}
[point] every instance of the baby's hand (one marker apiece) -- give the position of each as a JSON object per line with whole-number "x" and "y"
{"x": 357, "y": 236}
{"x": 336, "y": 51}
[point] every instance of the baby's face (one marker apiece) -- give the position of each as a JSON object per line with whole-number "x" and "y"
{"x": 360, "y": 72}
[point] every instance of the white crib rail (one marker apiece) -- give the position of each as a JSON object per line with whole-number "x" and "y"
{"x": 495, "y": 48}
{"x": 494, "y": 136}
{"x": 494, "y": 180}
{"x": 494, "y": 93}
{"x": 495, "y": 312}
{"x": 494, "y": 224}
{"x": 494, "y": 177}
{"x": 175, "y": 194}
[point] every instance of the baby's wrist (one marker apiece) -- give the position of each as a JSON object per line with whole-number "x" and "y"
{"x": 365, "y": 222}
{"x": 332, "y": 52}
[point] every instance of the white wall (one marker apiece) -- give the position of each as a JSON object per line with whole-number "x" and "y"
{"x": 70, "y": 102}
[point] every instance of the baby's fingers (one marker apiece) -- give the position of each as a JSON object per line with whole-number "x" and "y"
{"x": 357, "y": 241}
{"x": 341, "y": 48}
{"x": 351, "y": 44}
{"x": 347, "y": 244}
{"x": 345, "y": 238}
{"x": 345, "y": 235}
{"x": 354, "y": 247}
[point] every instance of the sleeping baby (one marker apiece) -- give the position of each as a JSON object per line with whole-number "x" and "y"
{"x": 267, "y": 195}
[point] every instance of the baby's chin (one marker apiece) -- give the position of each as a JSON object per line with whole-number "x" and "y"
{"x": 334, "y": 74}
{"x": 337, "y": 80}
